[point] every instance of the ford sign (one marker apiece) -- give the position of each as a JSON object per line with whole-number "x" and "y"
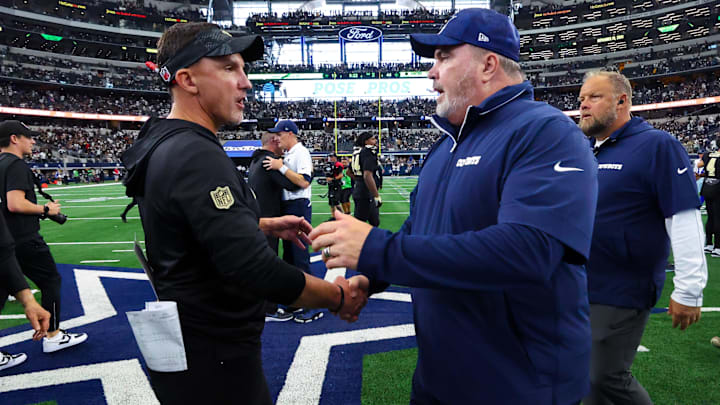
{"x": 360, "y": 34}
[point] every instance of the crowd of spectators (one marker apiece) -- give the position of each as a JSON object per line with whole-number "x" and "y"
{"x": 106, "y": 75}
{"x": 64, "y": 71}
{"x": 94, "y": 144}
{"x": 95, "y": 13}
{"x": 102, "y": 145}
{"x": 705, "y": 85}
{"x": 14, "y": 95}
{"x": 325, "y": 109}
{"x": 697, "y": 134}
{"x": 125, "y": 103}
{"x": 325, "y": 16}
{"x": 526, "y": 17}
{"x": 660, "y": 66}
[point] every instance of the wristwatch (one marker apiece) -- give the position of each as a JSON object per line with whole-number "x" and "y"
{"x": 46, "y": 209}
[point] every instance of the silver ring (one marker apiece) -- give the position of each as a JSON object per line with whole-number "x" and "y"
{"x": 326, "y": 253}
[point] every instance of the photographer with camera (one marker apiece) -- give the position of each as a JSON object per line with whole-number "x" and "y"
{"x": 334, "y": 178}
{"x": 23, "y": 214}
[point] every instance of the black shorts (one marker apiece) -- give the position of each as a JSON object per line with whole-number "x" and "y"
{"x": 345, "y": 195}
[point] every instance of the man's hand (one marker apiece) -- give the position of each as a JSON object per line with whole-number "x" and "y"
{"x": 39, "y": 319}
{"x": 344, "y": 239}
{"x": 378, "y": 201}
{"x": 288, "y": 227}
{"x": 356, "y": 296}
{"x": 683, "y": 315}
{"x": 272, "y": 164}
{"x": 53, "y": 207}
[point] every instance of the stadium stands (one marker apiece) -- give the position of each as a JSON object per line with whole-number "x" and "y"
{"x": 36, "y": 74}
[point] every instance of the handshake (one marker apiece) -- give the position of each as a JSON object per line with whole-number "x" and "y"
{"x": 353, "y": 297}
{"x": 340, "y": 242}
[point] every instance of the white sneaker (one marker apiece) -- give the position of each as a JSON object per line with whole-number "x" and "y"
{"x": 63, "y": 340}
{"x": 708, "y": 248}
{"x": 715, "y": 253}
{"x": 715, "y": 341}
{"x": 279, "y": 316}
{"x": 8, "y": 360}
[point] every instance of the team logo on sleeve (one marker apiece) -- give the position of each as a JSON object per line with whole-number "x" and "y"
{"x": 222, "y": 198}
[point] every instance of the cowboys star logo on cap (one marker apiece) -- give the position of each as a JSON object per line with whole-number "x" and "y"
{"x": 165, "y": 74}
{"x": 222, "y": 198}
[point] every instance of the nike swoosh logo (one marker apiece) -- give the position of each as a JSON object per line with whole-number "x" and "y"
{"x": 682, "y": 171}
{"x": 561, "y": 169}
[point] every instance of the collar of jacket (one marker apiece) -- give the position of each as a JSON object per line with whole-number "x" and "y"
{"x": 635, "y": 126}
{"x": 497, "y": 100}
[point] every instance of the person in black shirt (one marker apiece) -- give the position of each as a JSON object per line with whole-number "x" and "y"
{"x": 269, "y": 184}
{"x": 20, "y": 208}
{"x": 12, "y": 282}
{"x": 711, "y": 192}
{"x": 204, "y": 236}
{"x": 368, "y": 179}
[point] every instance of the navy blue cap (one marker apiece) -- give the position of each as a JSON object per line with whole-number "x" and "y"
{"x": 480, "y": 27}
{"x": 284, "y": 125}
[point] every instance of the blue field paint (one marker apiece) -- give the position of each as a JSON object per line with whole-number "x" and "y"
{"x": 111, "y": 339}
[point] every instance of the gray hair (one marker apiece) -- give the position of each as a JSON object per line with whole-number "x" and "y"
{"x": 509, "y": 66}
{"x": 620, "y": 83}
{"x": 266, "y": 138}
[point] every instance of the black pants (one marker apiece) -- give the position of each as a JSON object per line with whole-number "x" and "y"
{"x": 129, "y": 207}
{"x": 616, "y": 334}
{"x": 10, "y": 280}
{"x": 366, "y": 210}
{"x": 291, "y": 253}
{"x": 38, "y": 265}
{"x": 712, "y": 226}
{"x": 218, "y": 373}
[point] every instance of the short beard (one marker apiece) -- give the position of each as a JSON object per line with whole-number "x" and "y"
{"x": 460, "y": 100}
{"x": 599, "y": 125}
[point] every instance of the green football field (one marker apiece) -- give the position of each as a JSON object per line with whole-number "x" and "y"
{"x": 679, "y": 368}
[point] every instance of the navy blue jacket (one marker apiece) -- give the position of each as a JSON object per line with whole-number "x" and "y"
{"x": 499, "y": 229}
{"x": 644, "y": 177}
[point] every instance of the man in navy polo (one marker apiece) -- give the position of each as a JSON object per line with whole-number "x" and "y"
{"x": 499, "y": 228}
{"x": 647, "y": 192}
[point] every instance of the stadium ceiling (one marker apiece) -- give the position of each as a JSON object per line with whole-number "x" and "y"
{"x": 318, "y": 4}
{"x": 550, "y": 2}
